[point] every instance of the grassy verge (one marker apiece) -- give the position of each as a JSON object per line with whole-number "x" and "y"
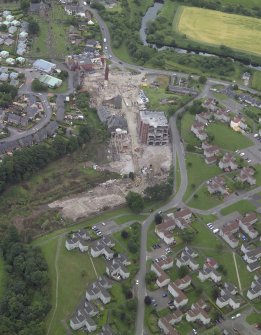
{"x": 253, "y": 318}
{"x": 75, "y": 271}
{"x": 229, "y": 140}
{"x": 256, "y": 80}
{"x": 242, "y": 206}
{"x": 2, "y": 277}
{"x": 198, "y": 171}
{"x": 186, "y": 123}
{"x": 204, "y": 200}
{"x": 177, "y": 174}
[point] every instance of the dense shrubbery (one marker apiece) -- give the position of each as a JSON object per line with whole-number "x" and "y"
{"x": 7, "y": 94}
{"x": 25, "y": 303}
{"x": 23, "y": 163}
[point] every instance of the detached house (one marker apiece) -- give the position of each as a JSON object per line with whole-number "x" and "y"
{"x": 164, "y": 230}
{"x": 246, "y": 224}
{"x": 82, "y": 317}
{"x": 98, "y": 290}
{"x": 117, "y": 270}
{"x": 209, "y": 273}
{"x": 197, "y": 129}
{"x": 203, "y": 117}
{"x": 227, "y": 233}
{"x": 79, "y": 240}
{"x": 102, "y": 247}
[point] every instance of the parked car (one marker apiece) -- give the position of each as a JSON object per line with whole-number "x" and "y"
{"x": 164, "y": 295}
{"x": 215, "y": 231}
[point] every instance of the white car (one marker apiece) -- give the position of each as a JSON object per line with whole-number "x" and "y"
{"x": 242, "y": 154}
{"x": 103, "y": 223}
{"x": 249, "y": 161}
{"x": 256, "y": 135}
{"x": 194, "y": 331}
{"x": 215, "y": 231}
{"x": 137, "y": 281}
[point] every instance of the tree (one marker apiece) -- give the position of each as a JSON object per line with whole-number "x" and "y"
{"x": 189, "y": 164}
{"x": 202, "y": 80}
{"x": 147, "y": 300}
{"x": 195, "y": 196}
{"x": 215, "y": 293}
{"x": 183, "y": 271}
{"x": 124, "y": 234}
{"x": 158, "y": 218}
{"x": 37, "y": 86}
{"x": 187, "y": 236}
{"x": 150, "y": 277}
{"x": 33, "y": 27}
{"x": 135, "y": 202}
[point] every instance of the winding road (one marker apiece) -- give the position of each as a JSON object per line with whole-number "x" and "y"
{"x": 177, "y": 151}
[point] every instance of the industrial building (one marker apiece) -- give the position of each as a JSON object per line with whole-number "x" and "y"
{"x": 153, "y": 128}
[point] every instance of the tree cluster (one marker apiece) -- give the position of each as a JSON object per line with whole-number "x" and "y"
{"x": 158, "y": 192}
{"x": 134, "y": 239}
{"x": 135, "y": 202}
{"x": 25, "y": 303}
{"x": 7, "y": 94}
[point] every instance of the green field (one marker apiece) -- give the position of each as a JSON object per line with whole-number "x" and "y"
{"x": 253, "y": 318}
{"x": 75, "y": 271}
{"x": 204, "y": 200}
{"x": 219, "y": 28}
{"x": 242, "y": 206}
{"x": 256, "y": 80}
{"x": 186, "y": 134}
{"x": 226, "y": 138}
{"x": 198, "y": 172}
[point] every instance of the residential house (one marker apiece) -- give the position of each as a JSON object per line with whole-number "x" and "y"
{"x": 228, "y": 162}
{"x": 102, "y": 247}
{"x": 246, "y": 224}
{"x": 238, "y": 123}
{"x": 106, "y": 330}
{"x": 222, "y": 115}
{"x": 175, "y": 289}
{"x": 228, "y": 297}
{"x": 187, "y": 258}
{"x": 117, "y": 270}
{"x": 252, "y": 257}
{"x": 14, "y": 119}
{"x": 246, "y": 176}
{"x": 164, "y": 230}
{"x": 203, "y": 117}
{"x": 97, "y": 291}
{"x": 227, "y": 233}
{"x": 162, "y": 278}
{"x": 209, "y": 273}
{"x": 197, "y": 129}
{"x": 79, "y": 240}
{"x": 210, "y": 104}
{"x": 198, "y": 313}
{"x": 217, "y": 185}
{"x": 81, "y": 318}
{"x": 255, "y": 289}
{"x": 167, "y": 322}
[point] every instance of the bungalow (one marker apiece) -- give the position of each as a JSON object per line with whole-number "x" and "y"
{"x": 227, "y": 297}
{"x": 228, "y": 161}
{"x": 246, "y": 176}
{"x": 198, "y": 313}
{"x": 255, "y": 288}
{"x": 217, "y": 185}
{"x": 238, "y": 123}
{"x": 222, "y": 115}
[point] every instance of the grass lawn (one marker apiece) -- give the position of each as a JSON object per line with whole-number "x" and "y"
{"x": 177, "y": 174}
{"x": 2, "y": 277}
{"x": 62, "y": 89}
{"x": 256, "y": 80}
{"x": 208, "y": 245}
{"x": 245, "y": 3}
{"x": 198, "y": 172}
{"x": 75, "y": 273}
{"x": 205, "y": 200}
{"x": 253, "y": 318}
{"x": 242, "y": 206}
{"x": 219, "y": 28}
{"x": 152, "y": 237}
{"x": 187, "y": 136}
{"x": 258, "y": 174}
{"x": 226, "y": 138}
{"x": 130, "y": 217}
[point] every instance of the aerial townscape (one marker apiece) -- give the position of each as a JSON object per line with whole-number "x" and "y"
{"x": 130, "y": 167}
